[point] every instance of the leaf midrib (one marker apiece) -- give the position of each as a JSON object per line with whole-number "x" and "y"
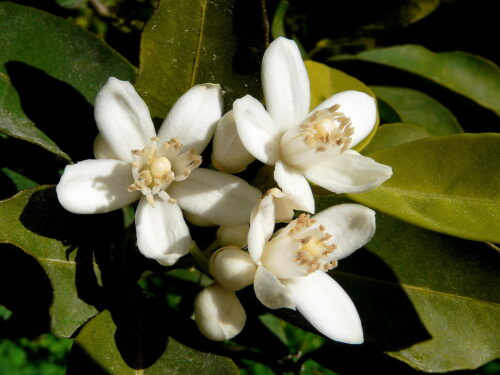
{"x": 194, "y": 71}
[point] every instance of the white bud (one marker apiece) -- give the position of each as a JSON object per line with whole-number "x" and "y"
{"x": 197, "y": 220}
{"x": 218, "y": 313}
{"x": 233, "y": 268}
{"x": 229, "y": 155}
{"x": 233, "y": 235}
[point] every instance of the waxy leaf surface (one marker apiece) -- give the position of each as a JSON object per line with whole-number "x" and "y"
{"x": 192, "y": 42}
{"x": 40, "y": 47}
{"x": 417, "y": 108}
{"x": 471, "y": 76}
{"x": 449, "y": 184}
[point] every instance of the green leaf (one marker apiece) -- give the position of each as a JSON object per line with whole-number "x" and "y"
{"x": 278, "y": 24}
{"x": 18, "y": 179}
{"x": 326, "y": 81}
{"x": 14, "y": 122}
{"x": 471, "y": 76}
{"x": 191, "y": 42}
{"x": 34, "y": 221}
{"x": 126, "y": 349}
{"x": 417, "y": 108}
{"x": 449, "y": 184}
{"x": 391, "y": 135}
{"x": 38, "y": 43}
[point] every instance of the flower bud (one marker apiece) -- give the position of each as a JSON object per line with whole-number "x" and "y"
{"x": 233, "y": 235}
{"x": 229, "y": 155}
{"x": 218, "y": 313}
{"x": 232, "y": 267}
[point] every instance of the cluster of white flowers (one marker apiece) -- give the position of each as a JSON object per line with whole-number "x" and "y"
{"x": 287, "y": 268}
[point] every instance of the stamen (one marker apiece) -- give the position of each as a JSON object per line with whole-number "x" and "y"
{"x": 327, "y": 128}
{"x": 156, "y": 166}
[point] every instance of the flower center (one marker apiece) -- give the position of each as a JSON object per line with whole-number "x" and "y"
{"x": 327, "y": 128}
{"x": 313, "y": 252}
{"x": 156, "y": 166}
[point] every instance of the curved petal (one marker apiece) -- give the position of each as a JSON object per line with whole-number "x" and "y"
{"x": 228, "y": 153}
{"x": 261, "y": 226}
{"x": 193, "y": 117}
{"x": 217, "y": 197}
{"x": 351, "y": 226}
{"x": 162, "y": 233}
{"x": 102, "y": 150}
{"x": 285, "y": 83}
{"x": 326, "y": 306}
{"x": 96, "y": 186}
{"x": 257, "y": 130}
{"x": 360, "y": 107}
{"x": 123, "y": 118}
{"x": 349, "y": 173}
{"x": 292, "y": 182}
{"x": 270, "y": 291}
{"x": 218, "y": 313}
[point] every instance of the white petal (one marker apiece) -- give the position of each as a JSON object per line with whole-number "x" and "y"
{"x": 292, "y": 182}
{"x": 123, "y": 118}
{"x": 349, "y": 173}
{"x": 162, "y": 233}
{"x": 261, "y": 226}
{"x": 193, "y": 117}
{"x": 233, "y": 235}
{"x": 326, "y": 306}
{"x": 228, "y": 153}
{"x": 218, "y": 313}
{"x": 357, "y": 105}
{"x": 351, "y": 226}
{"x": 96, "y": 186}
{"x": 217, "y": 197}
{"x": 270, "y": 291}
{"x": 257, "y": 130}
{"x": 102, "y": 150}
{"x": 285, "y": 83}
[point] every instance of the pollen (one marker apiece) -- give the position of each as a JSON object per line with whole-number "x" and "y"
{"x": 315, "y": 250}
{"x": 156, "y": 166}
{"x": 327, "y": 128}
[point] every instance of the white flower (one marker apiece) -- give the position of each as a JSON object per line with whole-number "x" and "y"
{"x": 133, "y": 162}
{"x": 292, "y": 265}
{"x": 302, "y": 146}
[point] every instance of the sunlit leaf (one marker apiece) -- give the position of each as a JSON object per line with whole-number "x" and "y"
{"x": 471, "y": 76}
{"x": 449, "y": 184}
{"x": 327, "y": 81}
{"x": 417, "y": 108}
{"x": 391, "y": 135}
{"x": 38, "y": 47}
{"x": 124, "y": 347}
{"x": 34, "y": 221}
{"x": 21, "y": 182}
{"x": 191, "y": 42}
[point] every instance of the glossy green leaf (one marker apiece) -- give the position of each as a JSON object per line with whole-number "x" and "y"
{"x": 278, "y": 24}
{"x": 390, "y": 135}
{"x": 191, "y": 42}
{"x": 471, "y": 76}
{"x": 326, "y": 81}
{"x": 14, "y": 122}
{"x": 449, "y": 184}
{"x": 21, "y": 182}
{"x": 132, "y": 352}
{"x": 427, "y": 299}
{"x": 417, "y": 108}
{"x": 38, "y": 45}
{"x": 33, "y": 221}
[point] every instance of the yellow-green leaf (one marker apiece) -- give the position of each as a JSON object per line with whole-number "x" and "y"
{"x": 472, "y": 76}
{"x": 417, "y": 108}
{"x": 135, "y": 346}
{"x": 449, "y": 184}
{"x": 34, "y": 221}
{"x": 390, "y": 135}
